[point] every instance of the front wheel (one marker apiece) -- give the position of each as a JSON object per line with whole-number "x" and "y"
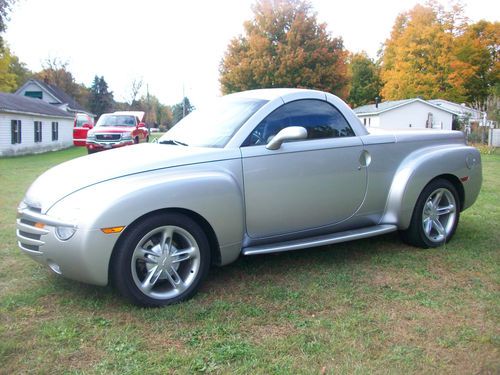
{"x": 162, "y": 260}
{"x": 435, "y": 217}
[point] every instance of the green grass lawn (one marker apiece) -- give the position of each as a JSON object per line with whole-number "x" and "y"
{"x": 370, "y": 306}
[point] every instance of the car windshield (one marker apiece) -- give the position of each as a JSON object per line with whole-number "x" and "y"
{"x": 214, "y": 125}
{"x": 80, "y": 120}
{"x": 116, "y": 120}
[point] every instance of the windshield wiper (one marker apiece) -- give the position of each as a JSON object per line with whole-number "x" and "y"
{"x": 172, "y": 142}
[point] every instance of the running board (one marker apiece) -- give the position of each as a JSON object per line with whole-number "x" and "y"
{"x": 329, "y": 239}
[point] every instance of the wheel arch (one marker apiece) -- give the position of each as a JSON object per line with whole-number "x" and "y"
{"x": 200, "y": 220}
{"x": 457, "y": 184}
{"x": 415, "y": 173}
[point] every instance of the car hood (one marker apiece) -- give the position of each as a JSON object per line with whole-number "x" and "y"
{"x": 112, "y": 129}
{"x": 76, "y": 174}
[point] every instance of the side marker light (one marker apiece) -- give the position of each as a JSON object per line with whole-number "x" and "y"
{"x": 112, "y": 230}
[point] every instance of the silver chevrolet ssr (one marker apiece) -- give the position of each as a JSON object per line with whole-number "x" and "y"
{"x": 256, "y": 172}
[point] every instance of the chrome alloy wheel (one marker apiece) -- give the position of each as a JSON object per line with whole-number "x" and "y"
{"x": 165, "y": 262}
{"x": 439, "y": 215}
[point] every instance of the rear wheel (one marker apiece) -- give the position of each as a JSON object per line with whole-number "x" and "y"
{"x": 162, "y": 260}
{"x": 435, "y": 217}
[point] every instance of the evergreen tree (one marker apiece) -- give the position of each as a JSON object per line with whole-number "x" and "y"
{"x": 181, "y": 110}
{"x": 100, "y": 100}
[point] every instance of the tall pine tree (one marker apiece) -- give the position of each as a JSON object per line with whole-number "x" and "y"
{"x": 101, "y": 100}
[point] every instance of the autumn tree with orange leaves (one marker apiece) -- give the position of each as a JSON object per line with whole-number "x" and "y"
{"x": 433, "y": 53}
{"x": 417, "y": 57}
{"x": 284, "y": 46}
{"x": 476, "y": 66}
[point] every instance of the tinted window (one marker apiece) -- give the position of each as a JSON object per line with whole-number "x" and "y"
{"x": 321, "y": 120}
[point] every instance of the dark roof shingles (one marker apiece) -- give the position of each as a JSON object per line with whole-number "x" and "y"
{"x": 17, "y": 103}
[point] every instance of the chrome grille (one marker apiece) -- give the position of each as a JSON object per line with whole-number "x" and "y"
{"x": 29, "y": 237}
{"x": 108, "y": 137}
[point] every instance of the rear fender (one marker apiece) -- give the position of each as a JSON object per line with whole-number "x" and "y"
{"x": 461, "y": 163}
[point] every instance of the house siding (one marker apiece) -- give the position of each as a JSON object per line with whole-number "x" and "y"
{"x": 28, "y": 145}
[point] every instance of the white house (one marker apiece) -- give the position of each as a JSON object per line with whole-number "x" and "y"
{"x": 30, "y": 126}
{"x": 405, "y": 114}
{"x": 51, "y": 94}
{"x": 461, "y": 110}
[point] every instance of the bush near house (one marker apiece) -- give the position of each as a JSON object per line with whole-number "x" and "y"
{"x": 370, "y": 306}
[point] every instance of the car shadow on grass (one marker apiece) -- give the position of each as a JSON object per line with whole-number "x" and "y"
{"x": 333, "y": 264}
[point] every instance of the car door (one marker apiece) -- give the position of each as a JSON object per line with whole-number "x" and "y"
{"x": 304, "y": 184}
{"x": 82, "y": 125}
{"x": 141, "y": 130}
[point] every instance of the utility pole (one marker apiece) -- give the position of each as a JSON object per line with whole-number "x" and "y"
{"x": 148, "y": 105}
{"x": 183, "y": 102}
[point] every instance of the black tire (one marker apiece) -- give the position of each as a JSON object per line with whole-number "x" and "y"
{"x": 89, "y": 151}
{"x": 136, "y": 140}
{"x": 147, "y": 139}
{"x": 133, "y": 264}
{"x": 431, "y": 225}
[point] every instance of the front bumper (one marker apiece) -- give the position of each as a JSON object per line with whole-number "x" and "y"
{"x": 101, "y": 145}
{"x": 83, "y": 257}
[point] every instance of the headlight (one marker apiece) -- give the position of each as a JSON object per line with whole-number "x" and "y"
{"x": 126, "y": 136}
{"x": 90, "y": 136}
{"x": 65, "y": 233}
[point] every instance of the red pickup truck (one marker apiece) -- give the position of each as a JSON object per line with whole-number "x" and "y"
{"x": 117, "y": 129}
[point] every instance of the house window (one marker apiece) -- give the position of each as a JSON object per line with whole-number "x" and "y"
{"x": 55, "y": 130}
{"x": 15, "y": 131}
{"x": 430, "y": 121}
{"x": 364, "y": 121}
{"x": 34, "y": 94}
{"x": 38, "y": 131}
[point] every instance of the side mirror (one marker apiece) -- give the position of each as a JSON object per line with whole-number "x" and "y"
{"x": 87, "y": 126}
{"x": 287, "y": 134}
{"x": 141, "y": 125}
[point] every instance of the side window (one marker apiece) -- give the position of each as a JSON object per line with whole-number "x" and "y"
{"x": 321, "y": 120}
{"x": 269, "y": 127}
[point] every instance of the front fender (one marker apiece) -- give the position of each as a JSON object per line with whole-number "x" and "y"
{"x": 211, "y": 191}
{"x": 422, "y": 166}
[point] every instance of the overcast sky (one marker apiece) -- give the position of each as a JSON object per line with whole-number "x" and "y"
{"x": 176, "y": 44}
